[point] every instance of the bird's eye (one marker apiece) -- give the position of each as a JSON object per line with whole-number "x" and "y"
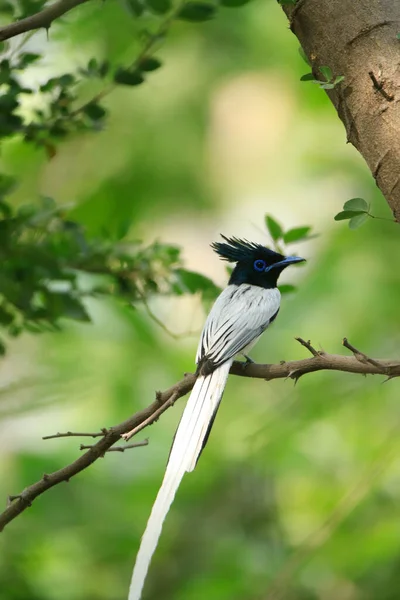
{"x": 259, "y": 265}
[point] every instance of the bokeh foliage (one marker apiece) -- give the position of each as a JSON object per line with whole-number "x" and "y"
{"x": 116, "y": 201}
{"x": 49, "y": 267}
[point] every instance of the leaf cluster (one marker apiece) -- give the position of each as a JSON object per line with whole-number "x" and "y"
{"x": 356, "y": 211}
{"x": 59, "y": 113}
{"x": 22, "y": 8}
{"x": 329, "y": 81}
{"x": 50, "y": 267}
{"x": 282, "y": 238}
{"x": 55, "y": 115}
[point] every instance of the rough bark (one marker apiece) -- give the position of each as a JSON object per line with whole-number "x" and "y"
{"x": 358, "y": 39}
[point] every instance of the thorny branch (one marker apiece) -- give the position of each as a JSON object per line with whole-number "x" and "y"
{"x": 42, "y": 19}
{"x": 320, "y": 360}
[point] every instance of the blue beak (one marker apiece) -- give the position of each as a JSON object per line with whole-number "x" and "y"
{"x": 289, "y": 260}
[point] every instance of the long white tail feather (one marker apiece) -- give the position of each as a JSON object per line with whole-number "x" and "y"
{"x": 199, "y": 412}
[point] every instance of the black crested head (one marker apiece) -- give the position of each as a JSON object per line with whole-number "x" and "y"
{"x": 256, "y": 264}
{"x": 236, "y": 250}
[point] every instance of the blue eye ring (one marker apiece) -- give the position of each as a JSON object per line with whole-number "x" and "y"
{"x": 259, "y": 265}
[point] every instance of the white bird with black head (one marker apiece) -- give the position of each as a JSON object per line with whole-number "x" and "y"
{"x": 240, "y": 314}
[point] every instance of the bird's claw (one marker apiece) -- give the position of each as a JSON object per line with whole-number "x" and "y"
{"x": 247, "y": 362}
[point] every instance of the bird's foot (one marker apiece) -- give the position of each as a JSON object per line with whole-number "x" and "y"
{"x": 247, "y": 362}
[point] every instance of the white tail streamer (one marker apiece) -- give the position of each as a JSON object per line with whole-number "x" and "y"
{"x": 194, "y": 425}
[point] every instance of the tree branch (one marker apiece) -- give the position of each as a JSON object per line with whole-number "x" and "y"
{"x": 358, "y": 363}
{"x": 44, "y": 19}
{"x": 75, "y": 434}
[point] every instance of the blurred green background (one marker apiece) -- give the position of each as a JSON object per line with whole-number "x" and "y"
{"x": 297, "y": 494}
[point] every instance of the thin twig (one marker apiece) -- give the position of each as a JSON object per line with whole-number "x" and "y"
{"x": 175, "y": 336}
{"x": 378, "y": 85}
{"x": 360, "y": 355}
{"x": 293, "y": 369}
{"x": 294, "y": 10}
{"x": 129, "y": 434}
{"x": 75, "y": 434}
{"x": 120, "y": 448}
{"x": 308, "y": 345}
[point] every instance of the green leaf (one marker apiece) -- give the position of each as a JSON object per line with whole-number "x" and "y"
{"x": 275, "y": 230}
{"x": 358, "y": 220}
{"x": 92, "y": 65}
{"x": 29, "y": 7}
{"x": 94, "y": 111}
{"x": 122, "y": 228}
{"x": 27, "y": 58}
{"x": 74, "y": 309}
{"x": 7, "y": 184}
{"x": 14, "y": 330}
{"x": 234, "y": 3}
{"x": 296, "y": 234}
{"x": 189, "y": 282}
{"x": 327, "y": 86}
{"x": 6, "y": 8}
{"x": 8, "y": 103}
{"x": 326, "y": 72}
{"x": 149, "y": 63}
{"x": 5, "y": 65}
{"x": 348, "y": 214}
{"x": 49, "y": 85}
{"x": 287, "y": 1}
{"x": 128, "y": 77}
{"x": 137, "y": 7}
{"x": 197, "y": 12}
{"x": 338, "y": 79}
{"x": 6, "y": 317}
{"x": 48, "y": 203}
{"x": 160, "y": 7}
{"x": 358, "y": 204}
{"x": 307, "y": 77}
{"x": 26, "y": 211}
{"x": 103, "y": 68}
{"x": 66, "y": 80}
{"x": 9, "y": 123}
{"x": 5, "y": 209}
{"x": 5, "y": 75}
{"x": 58, "y": 129}
{"x": 286, "y": 288}
{"x": 398, "y": 36}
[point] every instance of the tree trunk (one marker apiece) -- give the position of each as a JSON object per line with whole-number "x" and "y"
{"x": 358, "y": 39}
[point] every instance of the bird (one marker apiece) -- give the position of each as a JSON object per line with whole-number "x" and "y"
{"x": 240, "y": 314}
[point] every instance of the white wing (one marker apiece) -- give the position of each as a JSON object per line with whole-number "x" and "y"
{"x": 239, "y": 316}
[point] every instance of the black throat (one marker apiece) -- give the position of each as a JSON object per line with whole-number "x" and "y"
{"x": 245, "y": 273}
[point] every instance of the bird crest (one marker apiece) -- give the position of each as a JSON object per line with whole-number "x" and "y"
{"x": 236, "y": 250}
